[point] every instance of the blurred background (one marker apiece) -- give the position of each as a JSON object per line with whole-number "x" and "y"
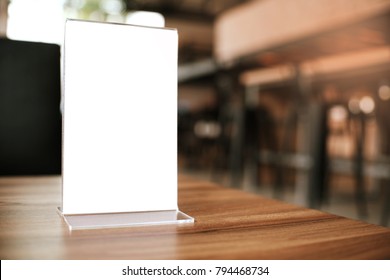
{"x": 288, "y": 99}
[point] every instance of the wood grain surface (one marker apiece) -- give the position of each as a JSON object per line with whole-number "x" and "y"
{"x": 230, "y": 224}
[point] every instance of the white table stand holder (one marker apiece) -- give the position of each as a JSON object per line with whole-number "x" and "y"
{"x": 119, "y": 126}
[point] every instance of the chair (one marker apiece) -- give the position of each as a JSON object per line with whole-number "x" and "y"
{"x": 30, "y": 118}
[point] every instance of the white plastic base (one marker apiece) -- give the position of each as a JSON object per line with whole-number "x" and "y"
{"x": 129, "y": 219}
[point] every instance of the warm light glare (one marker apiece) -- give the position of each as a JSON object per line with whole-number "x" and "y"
{"x": 206, "y": 129}
{"x": 338, "y": 113}
{"x": 384, "y": 92}
{"x": 146, "y": 19}
{"x": 353, "y": 106}
{"x": 367, "y": 104}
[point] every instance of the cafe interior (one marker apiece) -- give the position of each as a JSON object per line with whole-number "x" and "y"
{"x": 286, "y": 99}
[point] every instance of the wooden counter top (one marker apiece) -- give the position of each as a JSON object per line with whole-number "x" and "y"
{"x": 229, "y": 224}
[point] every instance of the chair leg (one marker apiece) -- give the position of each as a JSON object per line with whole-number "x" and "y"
{"x": 385, "y": 216}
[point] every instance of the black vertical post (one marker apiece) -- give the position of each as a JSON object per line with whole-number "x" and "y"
{"x": 359, "y": 168}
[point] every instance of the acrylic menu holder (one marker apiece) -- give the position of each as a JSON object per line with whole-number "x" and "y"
{"x": 119, "y": 126}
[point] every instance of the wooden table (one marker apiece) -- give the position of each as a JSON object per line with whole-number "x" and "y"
{"x": 230, "y": 224}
